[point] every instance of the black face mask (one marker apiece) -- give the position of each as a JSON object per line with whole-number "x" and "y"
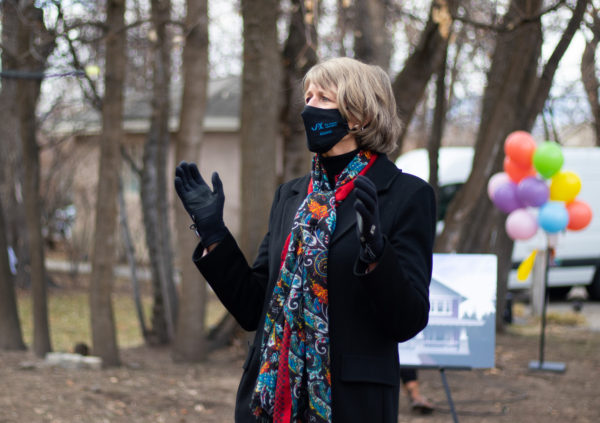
{"x": 324, "y": 128}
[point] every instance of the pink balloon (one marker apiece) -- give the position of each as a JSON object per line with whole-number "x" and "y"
{"x": 495, "y": 181}
{"x": 521, "y": 224}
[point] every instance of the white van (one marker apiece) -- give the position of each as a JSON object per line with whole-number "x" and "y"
{"x": 577, "y": 252}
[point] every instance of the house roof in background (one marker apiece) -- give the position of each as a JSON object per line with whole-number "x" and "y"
{"x": 222, "y": 111}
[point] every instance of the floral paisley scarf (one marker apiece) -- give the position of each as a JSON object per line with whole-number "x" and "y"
{"x": 294, "y": 381}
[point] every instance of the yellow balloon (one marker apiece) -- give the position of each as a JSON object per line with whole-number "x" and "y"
{"x": 565, "y": 186}
{"x": 525, "y": 267}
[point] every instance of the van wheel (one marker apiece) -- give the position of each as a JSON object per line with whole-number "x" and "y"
{"x": 593, "y": 289}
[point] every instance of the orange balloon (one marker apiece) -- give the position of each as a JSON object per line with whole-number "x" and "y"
{"x": 580, "y": 215}
{"x": 520, "y": 146}
{"x": 516, "y": 172}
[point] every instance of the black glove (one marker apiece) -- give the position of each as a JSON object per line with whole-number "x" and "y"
{"x": 367, "y": 216}
{"x": 204, "y": 206}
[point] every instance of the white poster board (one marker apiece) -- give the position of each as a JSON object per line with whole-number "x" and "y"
{"x": 462, "y": 315}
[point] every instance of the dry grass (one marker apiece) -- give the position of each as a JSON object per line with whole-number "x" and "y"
{"x": 557, "y": 321}
{"x": 69, "y": 317}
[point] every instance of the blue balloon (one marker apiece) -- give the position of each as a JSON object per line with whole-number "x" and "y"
{"x": 553, "y": 217}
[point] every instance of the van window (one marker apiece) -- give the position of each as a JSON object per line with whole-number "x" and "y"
{"x": 445, "y": 194}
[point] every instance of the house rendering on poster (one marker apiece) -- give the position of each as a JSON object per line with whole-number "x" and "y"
{"x": 447, "y": 333}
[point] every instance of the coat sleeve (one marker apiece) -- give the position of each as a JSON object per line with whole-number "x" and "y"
{"x": 240, "y": 287}
{"x": 399, "y": 285}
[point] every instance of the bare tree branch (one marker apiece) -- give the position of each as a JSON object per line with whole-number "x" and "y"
{"x": 511, "y": 25}
{"x": 94, "y": 98}
{"x": 130, "y": 161}
{"x": 545, "y": 80}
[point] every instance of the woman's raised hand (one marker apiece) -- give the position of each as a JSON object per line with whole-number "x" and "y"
{"x": 205, "y": 206}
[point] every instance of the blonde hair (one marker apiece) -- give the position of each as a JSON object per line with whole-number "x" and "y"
{"x": 364, "y": 95}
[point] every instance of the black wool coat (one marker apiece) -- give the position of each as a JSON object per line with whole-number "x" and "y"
{"x": 369, "y": 313}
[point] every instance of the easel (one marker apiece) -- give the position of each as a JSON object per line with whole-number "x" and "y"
{"x": 445, "y": 384}
{"x": 541, "y": 365}
{"x": 448, "y": 395}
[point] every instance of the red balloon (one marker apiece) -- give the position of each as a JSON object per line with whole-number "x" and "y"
{"x": 520, "y": 146}
{"x": 580, "y": 215}
{"x": 516, "y": 172}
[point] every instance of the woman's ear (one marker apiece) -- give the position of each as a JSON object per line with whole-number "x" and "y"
{"x": 356, "y": 126}
{"x": 353, "y": 124}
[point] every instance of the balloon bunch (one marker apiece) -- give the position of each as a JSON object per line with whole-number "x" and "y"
{"x": 534, "y": 191}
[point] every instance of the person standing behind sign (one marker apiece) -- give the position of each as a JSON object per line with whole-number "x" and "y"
{"x": 410, "y": 382}
{"x": 343, "y": 272}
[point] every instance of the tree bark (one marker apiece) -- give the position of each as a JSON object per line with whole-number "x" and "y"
{"x": 130, "y": 252}
{"x": 372, "y": 40}
{"x": 190, "y": 335}
{"x": 590, "y": 80}
{"x": 439, "y": 120}
{"x": 513, "y": 98}
{"x": 104, "y": 254}
{"x": 11, "y": 152}
{"x": 343, "y": 20}
{"x": 259, "y": 130}
{"x": 31, "y": 28}
{"x": 410, "y": 84}
{"x": 11, "y": 337}
{"x": 299, "y": 54}
{"x": 543, "y": 84}
{"x": 154, "y": 186}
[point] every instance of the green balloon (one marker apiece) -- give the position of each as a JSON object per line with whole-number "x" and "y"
{"x": 548, "y": 159}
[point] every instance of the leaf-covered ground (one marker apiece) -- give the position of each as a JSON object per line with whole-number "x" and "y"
{"x": 149, "y": 387}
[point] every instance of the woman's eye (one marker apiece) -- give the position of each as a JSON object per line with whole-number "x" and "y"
{"x": 307, "y": 100}
{"x": 324, "y": 99}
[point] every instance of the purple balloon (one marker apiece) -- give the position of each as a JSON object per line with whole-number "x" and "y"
{"x": 505, "y": 197}
{"x": 533, "y": 192}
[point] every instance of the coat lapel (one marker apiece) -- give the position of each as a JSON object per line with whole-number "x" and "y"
{"x": 297, "y": 195}
{"x": 382, "y": 173}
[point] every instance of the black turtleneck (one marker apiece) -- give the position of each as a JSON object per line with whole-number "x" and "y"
{"x": 335, "y": 164}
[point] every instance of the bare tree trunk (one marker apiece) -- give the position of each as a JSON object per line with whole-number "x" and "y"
{"x": 410, "y": 84}
{"x": 190, "y": 334}
{"x": 33, "y": 59}
{"x": 343, "y": 7}
{"x": 541, "y": 89}
{"x": 590, "y": 79}
{"x": 299, "y": 54}
{"x": 154, "y": 187}
{"x": 11, "y": 337}
{"x": 512, "y": 100}
{"x": 439, "y": 120}
{"x": 130, "y": 252}
{"x": 372, "y": 40}
{"x": 260, "y": 85}
{"x": 11, "y": 157}
{"x": 104, "y": 257}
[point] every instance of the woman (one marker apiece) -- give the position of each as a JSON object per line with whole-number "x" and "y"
{"x": 343, "y": 272}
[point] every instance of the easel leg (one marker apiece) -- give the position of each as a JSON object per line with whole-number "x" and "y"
{"x": 542, "y": 365}
{"x": 448, "y": 396}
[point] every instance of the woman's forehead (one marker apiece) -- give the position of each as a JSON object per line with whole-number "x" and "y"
{"x": 314, "y": 86}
